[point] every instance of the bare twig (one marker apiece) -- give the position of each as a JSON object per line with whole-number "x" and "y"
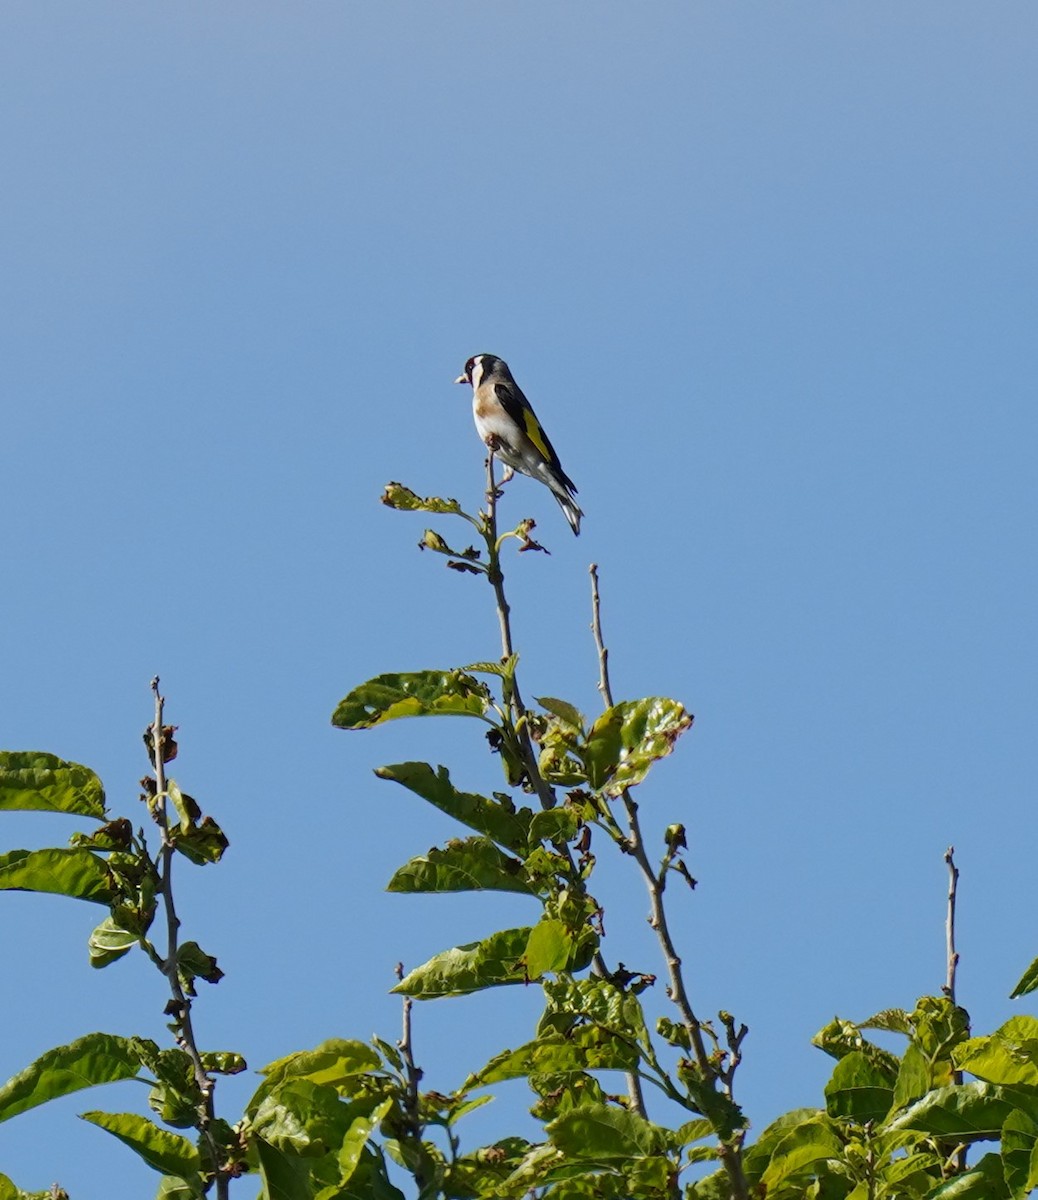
{"x": 729, "y": 1151}
{"x": 413, "y": 1078}
{"x": 180, "y": 1007}
{"x": 949, "y": 925}
{"x": 596, "y": 629}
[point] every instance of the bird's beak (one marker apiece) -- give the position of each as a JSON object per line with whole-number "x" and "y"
{"x": 462, "y": 379}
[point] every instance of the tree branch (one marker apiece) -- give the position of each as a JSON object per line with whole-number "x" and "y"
{"x": 180, "y": 1007}
{"x": 730, "y": 1151}
{"x": 949, "y": 925}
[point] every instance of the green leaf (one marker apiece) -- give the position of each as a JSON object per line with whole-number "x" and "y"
{"x": 604, "y": 1132}
{"x": 301, "y": 1117}
{"x": 357, "y": 1137}
{"x": 412, "y": 694}
{"x": 628, "y": 738}
{"x": 32, "y": 781}
{"x": 89, "y": 1060}
{"x": 172, "y": 1188}
{"x": 504, "y": 668}
{"x": 167, "y": 1152}
{"x": 563, "y": 710}
{"x": 914, "y": 1079}
{"x": 1008, "y": 1056}
{"x": 891, "y": 1020}
{"x": 586, "y": 1048}
{"x": 548, "y": 948}
{"x": 804, "y": 1147}
{"x": 8, "y": 1191}
{"x": 985, "y": 1181}
{"x": 859, "y": 1089}
{"x": 1028, "y": 982}
{"x": 1019, "y": 1138}
{"x": 504, "y": 825}
{"x": 223, "y": 1062}
{"x": 472, "y": 864}
{"x": 966, "y": 1112}
{"x": 370, "y": 1180}
{"x": 338, "y": 1063}
{"x": 109, "y": 942}
{"x": 193, "y": 963}
{"x": 596, "y": 1000}
{"x": 76, "y": 872}
{"x": 494, "y": 961}
{"x": 402, "y": 498}
{"x": 285, "y": 1176}
{"x": 202, "y": 843}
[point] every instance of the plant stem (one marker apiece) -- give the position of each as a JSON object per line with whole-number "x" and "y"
{"x": 513, "y": 699}
{"x": 730, "y": 1151}
{"x": 414, "y": 1075}
{"x": 180, "y": 1010}
{"x": 949, "y": 925}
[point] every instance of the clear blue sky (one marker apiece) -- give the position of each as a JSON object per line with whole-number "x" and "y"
{"x": 768, "y": 273}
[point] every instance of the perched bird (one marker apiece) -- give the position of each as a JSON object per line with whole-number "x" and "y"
{"x": 509, "y": 427}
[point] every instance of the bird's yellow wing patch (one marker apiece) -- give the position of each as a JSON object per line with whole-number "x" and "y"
{"x": 535, "y": 433}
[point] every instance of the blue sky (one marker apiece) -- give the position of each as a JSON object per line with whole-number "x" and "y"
{"x": 767, "y": 272}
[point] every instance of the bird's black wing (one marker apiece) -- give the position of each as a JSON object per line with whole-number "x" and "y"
{"x": 521, "y": 411}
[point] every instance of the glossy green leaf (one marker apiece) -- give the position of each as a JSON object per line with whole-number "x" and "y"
{"x": 603, "y": 1132}
{"x": 914, "y": 1078}
{"x": 586, "y": 1048}
{"x": 285, "y": 1176}
{"x": 571, "y": 1001}
{"x": 202, "y": 843}
{"x": 494, "y": 961}
{"x": 504, "y": 668}
{"x": 338, "y": 1063}
{"x": 1008, "y": 1056}
{"x": 891, "y": 1020}
{"x": 109, "y": 942}
{"x": 469, "y": 865}
{"x": 223, "y": 1062}
{"x": 166, "y": 1152}
{"x": 8, "y": 1191}
{"x": 548, "y": 948}
{"x": 859, "y": 1089}
{"x": 840, "y": 1038}
{"x": 402, "y": 498}
{"x": 1019, "y": 1142}
{"x": 628, "y": 738}
{"x": 95, "y": 1058}
{"x": 493, "y": 818}
{"x": 75, "y": 872}
{"x": 301, "y": 1117}
{"x": 31, "y": 780}
{"x": 1028, "y": 982}
{"x": 966, "y": 1113}
{"x": 563, "y": 710}
{"x": 370, "y": 1179}
{"x": 357, "y": 1137}
{"x": 805, "y": 1147}
{"x": 412, "y": 694}
{"x": 173, "y": 1188}
{"x": 758, "y": 1153}
{"x": 985, "y": 1181}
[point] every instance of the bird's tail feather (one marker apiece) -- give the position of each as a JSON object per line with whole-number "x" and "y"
{"x": 570, "y": 508}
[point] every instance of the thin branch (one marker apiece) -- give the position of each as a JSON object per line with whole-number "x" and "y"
{"x": 180, "y": 1008}
{"x": 730, "y": 1153}
{"x": 596, "y": 629}
{"x": 949, "y": 925}
{"x": 413, "y": 1078}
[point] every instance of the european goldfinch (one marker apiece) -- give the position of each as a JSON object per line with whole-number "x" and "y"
{"x": 509, "y": 427}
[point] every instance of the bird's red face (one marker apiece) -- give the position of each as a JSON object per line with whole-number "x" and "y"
{"x": 470, "y": 367}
